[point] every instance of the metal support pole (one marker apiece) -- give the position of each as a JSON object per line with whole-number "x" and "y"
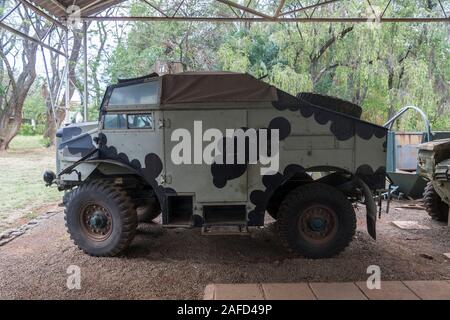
{"x": 67, "y": 79}
{"x": 27, "y": 37}
{"x": 86, "y": 89}
{"x": 49, "y": 87}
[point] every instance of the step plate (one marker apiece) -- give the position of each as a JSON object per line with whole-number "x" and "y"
{"x": 225, "y": 230}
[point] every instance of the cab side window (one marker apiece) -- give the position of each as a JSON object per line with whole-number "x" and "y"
{"x": 140, "y": 121}
{"x": 122, "y": 121}
{"x": 115, "y": 121}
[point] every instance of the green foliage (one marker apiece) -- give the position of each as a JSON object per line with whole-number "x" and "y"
{"x": 45, "y": 142}
{"x": 28, "y": 130}
{"x": 2, "y": 90}
{"x": 381, "y": 67}
{"x": 34, "y": 106}
{"x": 194, "y": 45}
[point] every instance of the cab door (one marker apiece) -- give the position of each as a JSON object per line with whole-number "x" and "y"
{"x": 198, "y": 179}
{"x": 134, "y": 134}
{"x": 131, "y": 122}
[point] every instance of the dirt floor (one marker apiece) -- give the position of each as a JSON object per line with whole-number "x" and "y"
{"x": 179, "y": 263}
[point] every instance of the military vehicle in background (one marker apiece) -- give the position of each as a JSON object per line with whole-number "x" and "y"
{"x": 434, "y": 165}
{"x": 123, "y": 167}
{"x": 402, "y": 154}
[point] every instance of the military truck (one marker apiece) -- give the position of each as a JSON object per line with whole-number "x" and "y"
{"x": 434, "y": 165}
{"x": 144, "y": 158}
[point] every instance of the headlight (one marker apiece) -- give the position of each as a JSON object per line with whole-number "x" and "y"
{"x": 49, "y": 177}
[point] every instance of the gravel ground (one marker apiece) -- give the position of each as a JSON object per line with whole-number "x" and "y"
{"x": 179, "y": 263}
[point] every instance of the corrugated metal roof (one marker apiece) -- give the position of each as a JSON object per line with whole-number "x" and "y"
{"x": 60, "y": 8}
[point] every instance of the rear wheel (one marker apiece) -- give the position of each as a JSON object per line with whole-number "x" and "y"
{"x": 316, "y": 221}
{"x": 100, "y": 219}
{"x": 436, "y": 208}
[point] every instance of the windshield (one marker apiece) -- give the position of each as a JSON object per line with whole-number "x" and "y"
{"x": 137, "y": 94}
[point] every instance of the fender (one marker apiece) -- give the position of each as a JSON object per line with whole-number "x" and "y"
{"x": 72, "y": 167}
{"x": 371, "y": 208}
{"x": 114, "y": 162}
{"x": 96, "y": 161}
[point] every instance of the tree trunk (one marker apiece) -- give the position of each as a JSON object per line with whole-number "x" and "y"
{"x": 9, "y": 127}
{"x": 11, "y": 109}
{"x": 314, "y": 70}
{"x": 52, "y": 123}
{"x": 54, "y": 118}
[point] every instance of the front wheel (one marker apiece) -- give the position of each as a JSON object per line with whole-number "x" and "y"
{"x": 100, "y": 219}
{"x": 149, "y": 211}
{"x": 436, "y": 208}
{"x": 316, "y": 221}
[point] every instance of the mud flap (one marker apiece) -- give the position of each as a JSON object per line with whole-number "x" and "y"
{"x": 371, "y": 209}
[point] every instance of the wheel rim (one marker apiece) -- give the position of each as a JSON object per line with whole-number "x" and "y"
{"x": 318, "y": 224}
{"x": 96, "y": 222}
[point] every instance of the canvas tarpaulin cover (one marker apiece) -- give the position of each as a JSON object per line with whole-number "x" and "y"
{"x": 215, "y": 87}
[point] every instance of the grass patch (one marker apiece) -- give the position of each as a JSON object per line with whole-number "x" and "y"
{"x": 21, "y": 184}
{"x": 28, "y": 142}
{"x": 31, "y": 215}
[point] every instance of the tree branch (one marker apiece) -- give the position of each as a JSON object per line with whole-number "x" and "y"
{"x": 330, "y": 42}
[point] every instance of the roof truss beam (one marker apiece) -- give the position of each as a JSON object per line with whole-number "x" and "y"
{"x": 313, "y": 6}
{"x": 247, "y": 19}
{"x": 40, "y": 40}
{"x": 252, "y": 15}
{"x": 245, "y": 13}
{"x": 40, "y": 12}
{"x": 279, "y": 8}
{"x": 245, "y": 9}
{"x": 58, "y": 4}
